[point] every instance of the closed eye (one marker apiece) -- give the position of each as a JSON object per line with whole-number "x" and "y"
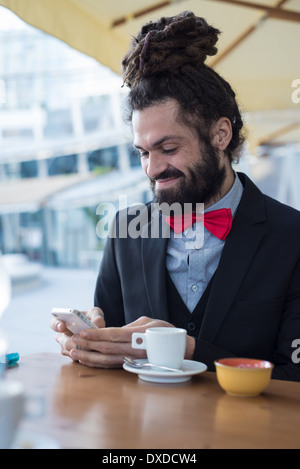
{"x": 139, "y": 152}
{"x": 143, "y": 153}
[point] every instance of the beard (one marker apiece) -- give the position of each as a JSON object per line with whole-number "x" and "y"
{"x": 201, "y": 185}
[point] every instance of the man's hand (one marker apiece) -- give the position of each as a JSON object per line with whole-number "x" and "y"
{"x": 64, "y": 337}
{"x": 106, "y": 347}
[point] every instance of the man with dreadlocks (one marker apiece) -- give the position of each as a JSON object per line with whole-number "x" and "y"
{"x": 236, "y": 294}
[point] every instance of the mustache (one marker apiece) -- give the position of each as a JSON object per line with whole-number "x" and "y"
{"x": 168, "y": 174}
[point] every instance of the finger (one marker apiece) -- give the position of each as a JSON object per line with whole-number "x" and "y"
{"x": 58, "y": 326}
{"x": 110, "y": 334}
{"x": 141, "y": 321}
{"x": 96, "y": 315}
{"x": 97, "y": 360}
{"x": 65, "y": 343}
{"x": 104, "y": 347}
{"x": 145, "y": 323}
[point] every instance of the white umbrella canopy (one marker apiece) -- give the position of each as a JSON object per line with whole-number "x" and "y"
{"x": 258, "y": 49}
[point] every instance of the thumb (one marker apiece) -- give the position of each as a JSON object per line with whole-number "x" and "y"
{"x": 96, "y": 315}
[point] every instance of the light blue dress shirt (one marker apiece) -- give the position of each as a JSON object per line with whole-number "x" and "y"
{"x": 191, "y": 266}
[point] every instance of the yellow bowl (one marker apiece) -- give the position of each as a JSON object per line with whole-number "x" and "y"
{"x": 243, "y": 377}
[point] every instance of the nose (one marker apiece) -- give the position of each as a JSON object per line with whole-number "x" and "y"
{"x": 154, "y": 165}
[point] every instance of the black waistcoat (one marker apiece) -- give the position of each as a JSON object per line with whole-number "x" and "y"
{"x": 179, "y": 315}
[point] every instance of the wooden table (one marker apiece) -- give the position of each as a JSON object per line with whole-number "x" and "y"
{"x": 114, "y": 409}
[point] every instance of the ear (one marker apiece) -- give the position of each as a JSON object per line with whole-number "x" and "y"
{"x": 221, "y": 132}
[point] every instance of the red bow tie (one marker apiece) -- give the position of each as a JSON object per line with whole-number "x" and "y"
{"x": 217, "y": 222}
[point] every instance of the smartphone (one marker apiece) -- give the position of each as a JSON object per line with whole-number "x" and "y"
{"x": 75, "y": 320}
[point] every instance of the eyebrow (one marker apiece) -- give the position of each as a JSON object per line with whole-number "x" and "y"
{"x": 160, "y": 141}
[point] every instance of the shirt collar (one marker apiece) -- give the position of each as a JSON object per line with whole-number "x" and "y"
{"x": 231, "y": 199}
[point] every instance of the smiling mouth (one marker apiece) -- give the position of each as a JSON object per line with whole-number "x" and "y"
{"x": 163, "y": 183}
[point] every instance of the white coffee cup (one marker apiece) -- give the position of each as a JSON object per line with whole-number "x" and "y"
{"x": 164, "y": 345}
{"x": 11, "y": 410}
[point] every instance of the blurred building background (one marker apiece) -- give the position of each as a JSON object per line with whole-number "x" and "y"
{"x": 64, "y": 146}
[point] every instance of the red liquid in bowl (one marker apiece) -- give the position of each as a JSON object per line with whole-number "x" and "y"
{"x": 245, "y": 363}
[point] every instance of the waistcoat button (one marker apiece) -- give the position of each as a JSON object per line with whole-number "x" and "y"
{"x": 191, "y": 326}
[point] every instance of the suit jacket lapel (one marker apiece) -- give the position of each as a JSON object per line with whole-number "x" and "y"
{"x": 153, "y": 252}
{"x": 241, "y": 244}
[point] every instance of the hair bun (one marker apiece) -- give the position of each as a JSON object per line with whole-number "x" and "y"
{"x": 168, "y": 45}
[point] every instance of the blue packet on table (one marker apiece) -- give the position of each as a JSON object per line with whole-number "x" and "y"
{"x": 12, "y": 359}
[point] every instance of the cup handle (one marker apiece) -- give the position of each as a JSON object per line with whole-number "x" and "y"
{"x": 135, "y": 337}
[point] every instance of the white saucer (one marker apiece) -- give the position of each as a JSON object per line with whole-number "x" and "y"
{"x": 189, "y": 368}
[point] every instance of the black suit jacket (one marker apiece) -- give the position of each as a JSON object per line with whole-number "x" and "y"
{"x": 254, "y": 306}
